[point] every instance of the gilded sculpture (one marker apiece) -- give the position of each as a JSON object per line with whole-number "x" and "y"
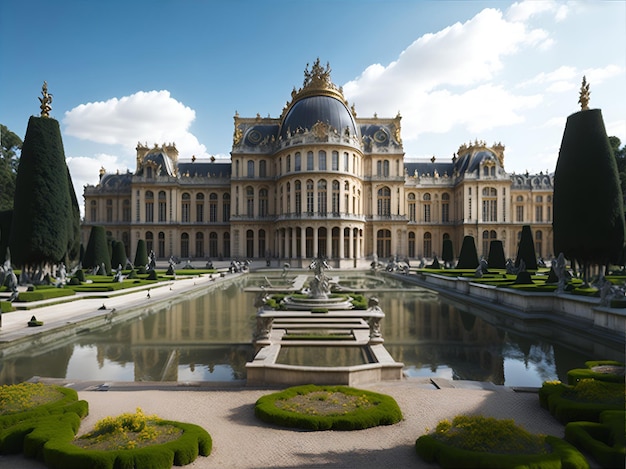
{"x": 583, "y": 100}
{"x": 45, "y": 101}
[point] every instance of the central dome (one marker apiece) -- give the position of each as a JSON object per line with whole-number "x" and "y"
{"x": 306, "y": 112}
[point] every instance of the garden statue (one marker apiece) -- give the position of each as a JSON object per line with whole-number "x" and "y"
{"x": 375, "y": 315}
{"x": 561, "y": 273}
{"x": 320, "y": 285}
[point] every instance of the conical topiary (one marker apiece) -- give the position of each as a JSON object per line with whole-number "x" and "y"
{"x": 588, "y": 221}
{"x": 468, "y": 258}
{"x": 447, "y": 252}
{"x": 97, "y": 252}
{"x": 496, "y": 259}
{"x": 526, "y": 249}
{"x": 141, "y": 255}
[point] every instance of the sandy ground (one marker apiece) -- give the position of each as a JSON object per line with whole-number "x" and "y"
{"x": 242, "y": 441}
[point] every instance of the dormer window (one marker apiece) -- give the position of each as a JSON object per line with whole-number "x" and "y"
{"x": 149, "y": 172}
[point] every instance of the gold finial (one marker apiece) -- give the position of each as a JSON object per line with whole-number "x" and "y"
{"x": 45, "y": 101}
{"x": 583, "y": 100}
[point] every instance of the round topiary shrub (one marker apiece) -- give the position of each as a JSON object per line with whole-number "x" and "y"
{"x": 477, "y": 441}
{"x": 314, "y": 407}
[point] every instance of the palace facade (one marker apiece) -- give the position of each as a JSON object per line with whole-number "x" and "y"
{"x": 318, "y": 180}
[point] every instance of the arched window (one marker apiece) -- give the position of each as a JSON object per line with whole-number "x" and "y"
{"x": 321, "y": 160}
{"x": 384, "y": 202}
{"x": 426, "y": 209}
{"x": 488, "y": 236}
{"x": 226, "y": 245}
{"x": 149, "y": 206}
{"x": 383, "y": 243}
{"x": 262, "y": 168}
{"x": 212, "y": 244}
{"x": 212, "y": 207}
{"x": 199, "y": 244}
{"x": 263, "y": 203}
{"x": 109, "y": 206}
{"x": 490, "y": 204}
{"x": 412, "y": 244}
{"x": 162, "y": 206}
{"x": 445, "y": 207}
{"x": 428, "y": 245}
{"x": 93, "y": 210}
{"x": 126, "y": 210}
{"x": 310, "y": 200}
{"x": 262, "y": 248}
{"x": 298, "y": 195}
{"x": 335, "y": 200}
{"x": 412, "y": 210}
{"x": 309, "y": 243}
{"x": 185, "y": 208}
{"x": 250, "y": 169}
{"x": 288, "y": 161}
{"x": 288, "y": 199}
{"x": 149, "y": 242}
{"x": 309, "y": 161}
{"x": 322, "y": 204}
{"x": 249, "y": 243}
{"x": 249, "y": 201}
{"x": 161, "y": 247}
{"x": 386, "y": 168}
{"x": 297, "y": 162}
{"x": 335, "y": 161}
{"x": 226, "y": 207}
{"x": 199, "y": 207}
{"x": 184, "y": 245}
{"x": 346, "y": 197}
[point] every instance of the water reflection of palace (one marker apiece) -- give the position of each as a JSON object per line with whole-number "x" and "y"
{"x": 428, "y": 333}
{"x": 209, "y": 330}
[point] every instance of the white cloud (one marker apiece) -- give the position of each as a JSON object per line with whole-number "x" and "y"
{"x": 150, "y": 117}
{"x": 448, "y": 78}
{"x": 85, "y": 170}
{"x": 523, "y": 11}
{"x": 595, "y": 76}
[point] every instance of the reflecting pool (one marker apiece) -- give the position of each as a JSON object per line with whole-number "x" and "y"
{"x": 207, "y": 337}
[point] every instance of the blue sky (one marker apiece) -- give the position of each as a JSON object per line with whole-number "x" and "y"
{"x": 123, "y": 72}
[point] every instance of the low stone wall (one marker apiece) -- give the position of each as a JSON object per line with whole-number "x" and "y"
{"x": 578, "y": 311}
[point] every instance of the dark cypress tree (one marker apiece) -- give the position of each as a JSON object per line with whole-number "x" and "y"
{"x": 119, "y": 255}
{"x": 141, "y": 255}
{"x": 468, "y": 258}
{"x": 496, "y": 259}
{"x": 43, "y": 231}
{"x": 5, "y": 230}
{"x": 526, "y": 249}
{"x": 73, "y": 248}
{"x": 97, "y": 253}
{"x": 588, "y": 220}
{"x": 447, "y": 252}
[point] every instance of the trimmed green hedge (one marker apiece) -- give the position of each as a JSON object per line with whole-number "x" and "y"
{"x": 16, "y": 426}
{"x": 562, "y": 455}
{"x": 559, "y": 399}
{"x": 575, "y": 375}
{"x": 61, "y": 453}
{"x": 44, "y": 294}
{"x": 47, "y": 432}
{"x": 605, "y": 441}
{"x": 384, "y": 411}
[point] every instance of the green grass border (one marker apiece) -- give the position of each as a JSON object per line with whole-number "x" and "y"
{"x": 385, "y": 410}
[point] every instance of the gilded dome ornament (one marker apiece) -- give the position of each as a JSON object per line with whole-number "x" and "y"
{"x": 583, "y": 100}
{"x": 45, "y": 101}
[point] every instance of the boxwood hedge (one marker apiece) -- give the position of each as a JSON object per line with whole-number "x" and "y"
{"x": 605, "y": 441}
{"x": 562, "y": 455}
{"x": 384, "y": 411}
